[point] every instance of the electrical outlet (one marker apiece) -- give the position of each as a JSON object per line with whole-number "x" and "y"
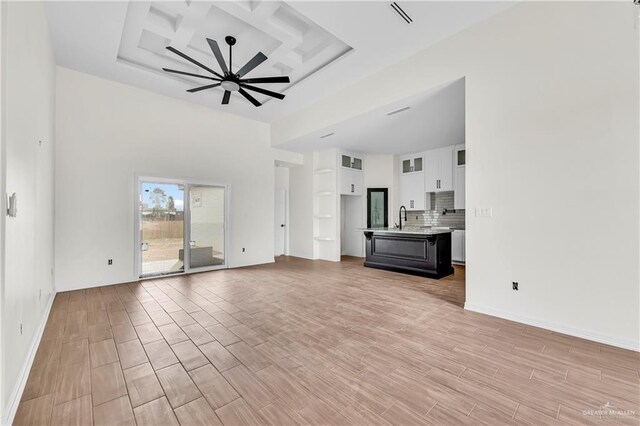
{"x": 514, "y": 285}
{"x": 21, "y": 329}
{"x": 109, "y": 261}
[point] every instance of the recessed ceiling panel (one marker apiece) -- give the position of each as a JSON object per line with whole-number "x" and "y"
{"x": 324, "y": 46}
{"x": 295, "y": 46}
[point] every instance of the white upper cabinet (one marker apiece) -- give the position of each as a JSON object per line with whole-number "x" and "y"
{"x": 351, "y": 161}
{"x": 412, "y": 193}
{"x": 432, "y": 171}
{"x": 351, "y": 176}
{"x": 446, "y": 169}
{"x": 351, "y": 182}
{"x": 439, "y": 169}
{"x": 459, "y": 177}
{"x": 411, "y": 163}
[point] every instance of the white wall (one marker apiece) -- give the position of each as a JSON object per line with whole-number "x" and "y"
{"x": 28, "y": 74}
{"x": 107, "y": 133}
{"x": 552, "y": 143}
{"x": 301, "y": 209}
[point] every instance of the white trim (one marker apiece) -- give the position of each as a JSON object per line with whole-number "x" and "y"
{"x": 559, "y": 328}
{"x": 3, "y": 191}
{"x": 16, "y": 395}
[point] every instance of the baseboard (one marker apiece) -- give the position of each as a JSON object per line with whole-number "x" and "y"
{"x": 16, "y": 395}
{"x": 559, "y": 328}
{"x": 134, "y": 279}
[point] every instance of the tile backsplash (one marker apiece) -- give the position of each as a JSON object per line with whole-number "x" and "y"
{"x": 434, "y": 217}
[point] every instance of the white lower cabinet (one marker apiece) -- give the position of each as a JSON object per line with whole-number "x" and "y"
{"x": 458, "y": 246}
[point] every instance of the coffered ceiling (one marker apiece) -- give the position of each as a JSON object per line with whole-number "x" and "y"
{"x": 322, "y": 46}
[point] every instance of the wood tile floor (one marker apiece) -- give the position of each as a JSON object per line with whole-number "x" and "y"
{"x": 302, "y": 342}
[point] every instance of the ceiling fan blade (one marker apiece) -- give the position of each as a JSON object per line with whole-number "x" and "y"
{"x": 251, "y": 99}
{"x": 282, "y": 79}
{"x": 197, "y": 89}
{"x": 263, "y": 91}
{"x": 218, "y": 54}
{"x": 254, "y": 62}
{"x": 190, "y": 74}
{"x": 225, "y": 97}
{"x": 193, "y": 61}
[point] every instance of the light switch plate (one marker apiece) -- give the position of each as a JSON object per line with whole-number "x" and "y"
{"x": 484, "y": 212}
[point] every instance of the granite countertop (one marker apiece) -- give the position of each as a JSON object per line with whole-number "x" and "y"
{"x": 418, "y": 231}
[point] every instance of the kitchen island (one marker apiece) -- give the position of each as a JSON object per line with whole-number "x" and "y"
{"x": 417, "y": 251}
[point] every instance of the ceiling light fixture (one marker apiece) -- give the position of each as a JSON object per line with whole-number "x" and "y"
{"x": 398, "y": 110}
{"x": 229, "y": 80}
{"x": 327, "y": 135}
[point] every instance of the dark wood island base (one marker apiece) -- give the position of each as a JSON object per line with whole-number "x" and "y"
{"x": 427, "y": 254}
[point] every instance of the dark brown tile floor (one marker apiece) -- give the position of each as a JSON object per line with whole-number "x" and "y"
{"x": 312, "y": 342}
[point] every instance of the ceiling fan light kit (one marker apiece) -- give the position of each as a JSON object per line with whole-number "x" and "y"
{"x": 228, "y": 80}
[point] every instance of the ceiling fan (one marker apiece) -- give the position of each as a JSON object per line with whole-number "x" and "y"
{"x": 231, "y": 81}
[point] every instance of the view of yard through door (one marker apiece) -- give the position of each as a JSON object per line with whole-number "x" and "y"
{"x": 167, "y": 229}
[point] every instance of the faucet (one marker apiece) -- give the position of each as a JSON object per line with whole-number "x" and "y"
{"x": 400, "y": 216}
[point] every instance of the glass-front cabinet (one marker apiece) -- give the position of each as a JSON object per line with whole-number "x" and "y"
{"x": 351, "y": 176}
{"x": 411, "y": 163}
{"x": 351, "y": 162}
{"x": 460, "y": 156}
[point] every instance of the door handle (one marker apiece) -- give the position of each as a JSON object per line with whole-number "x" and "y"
{"x": 282, "y": 225}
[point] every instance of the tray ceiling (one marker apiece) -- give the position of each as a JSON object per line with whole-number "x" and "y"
{"x": 324, "y": 46}
{"x": 295, "y": 46}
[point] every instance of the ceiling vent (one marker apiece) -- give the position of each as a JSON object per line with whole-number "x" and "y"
{"x": 400, "y": 11}
{"x": 398, "y": 110}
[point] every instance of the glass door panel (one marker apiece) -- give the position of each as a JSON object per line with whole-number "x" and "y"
{"x": 377, "y": 215}
{"x": 206, "y": 226}
{"x": 161, "y": 228}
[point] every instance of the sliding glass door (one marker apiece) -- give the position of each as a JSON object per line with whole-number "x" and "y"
{"x": 206, "y": 226}
{"x": 162, "y": 228}
{"x": 181, "y": 227}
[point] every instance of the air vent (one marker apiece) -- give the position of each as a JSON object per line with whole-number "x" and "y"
{"x": 327, "y": 135}
{"x": 400, "y": 11}
{"x": 398, "y": 110}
